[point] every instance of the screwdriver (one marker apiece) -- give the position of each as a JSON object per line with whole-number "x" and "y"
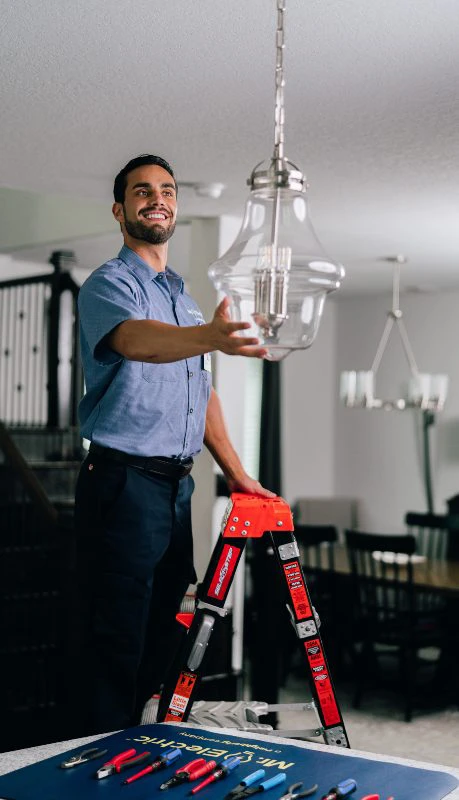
{"x": 221, "y": 771}
{"x": 342, "y": 789}
{"x": 162, "y": 761}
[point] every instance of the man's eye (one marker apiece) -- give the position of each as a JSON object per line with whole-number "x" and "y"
{"x": 142, "y": 192}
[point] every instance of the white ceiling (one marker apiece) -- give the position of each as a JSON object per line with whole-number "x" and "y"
{"x": 372, "y": 112}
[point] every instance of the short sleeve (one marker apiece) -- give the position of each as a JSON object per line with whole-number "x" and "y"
{"x": 104, "y": 301}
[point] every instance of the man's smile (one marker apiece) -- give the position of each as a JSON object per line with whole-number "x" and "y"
{"x": 157, "y": 215}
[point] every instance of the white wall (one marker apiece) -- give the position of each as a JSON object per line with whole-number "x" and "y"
{"x": 378, "y": 454}
{"x": 308, "y": 414}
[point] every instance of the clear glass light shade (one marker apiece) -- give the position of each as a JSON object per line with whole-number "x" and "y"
{"x": 276, "y": 272}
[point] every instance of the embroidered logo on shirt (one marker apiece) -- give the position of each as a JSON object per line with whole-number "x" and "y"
{"x": 196, "y": 314}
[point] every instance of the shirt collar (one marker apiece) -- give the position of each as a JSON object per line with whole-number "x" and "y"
{"x": 143, "y": 271}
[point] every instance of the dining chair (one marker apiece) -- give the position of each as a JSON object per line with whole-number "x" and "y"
{"x": 391, "y": 616}
{"x": 431, "y": 532}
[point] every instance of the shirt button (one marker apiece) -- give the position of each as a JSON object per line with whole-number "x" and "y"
{"x": 191, "y": 374}
{"x": 191, "y": 410}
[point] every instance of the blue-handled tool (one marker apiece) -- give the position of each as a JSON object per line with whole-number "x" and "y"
{"x": 248, "y": 789}
{"x": 242, "y": 786}
{"x": 342, "y": 789}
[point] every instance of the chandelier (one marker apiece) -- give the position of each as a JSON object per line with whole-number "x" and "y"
{"x": 424, "y": 391}
{"x": 276, "y": 272}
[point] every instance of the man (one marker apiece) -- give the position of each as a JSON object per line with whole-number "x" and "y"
{"x": 148, "y": 407}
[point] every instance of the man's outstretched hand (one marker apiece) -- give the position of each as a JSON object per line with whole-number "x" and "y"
{"x": 223, "y": 334}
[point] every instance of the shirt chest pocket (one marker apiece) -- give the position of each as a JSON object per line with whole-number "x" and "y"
{"x": 162, "y": 373}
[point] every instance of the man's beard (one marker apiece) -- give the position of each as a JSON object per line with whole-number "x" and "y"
{"x": 153, "y": 234}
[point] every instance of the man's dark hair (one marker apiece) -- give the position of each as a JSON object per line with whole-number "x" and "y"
{"x": 119, "y": 187}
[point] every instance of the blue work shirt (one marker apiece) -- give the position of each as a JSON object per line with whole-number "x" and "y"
{"x": 140, "y": 408}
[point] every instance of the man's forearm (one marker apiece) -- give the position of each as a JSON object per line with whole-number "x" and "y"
{"x": 158, "y": 342}
{"x": 217, "y": 440}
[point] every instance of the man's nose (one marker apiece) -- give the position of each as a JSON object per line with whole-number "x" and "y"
{"x": 156, "y": 195}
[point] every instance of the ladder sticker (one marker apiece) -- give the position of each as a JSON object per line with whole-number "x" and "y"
{"x": 322, "y": 682}
{"x": 224, "y": 571}
{"x": 181, "y": 697}
{"x": 297, "y": 590}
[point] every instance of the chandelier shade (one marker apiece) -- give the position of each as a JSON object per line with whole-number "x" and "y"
{"x": 279, "y": 287}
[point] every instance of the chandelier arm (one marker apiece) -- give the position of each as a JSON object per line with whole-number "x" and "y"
{"x": 396, "y": 289}
{"x": 407, "y": 347}
{"x": 382, "y": 344}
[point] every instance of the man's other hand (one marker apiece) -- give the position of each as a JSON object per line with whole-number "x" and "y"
{"x": 248, "y": 485}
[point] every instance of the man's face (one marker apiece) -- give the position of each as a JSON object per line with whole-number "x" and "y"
{"x": 149, "y": 210}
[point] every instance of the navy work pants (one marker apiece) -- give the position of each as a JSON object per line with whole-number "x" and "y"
{"x": 134, "y": 564}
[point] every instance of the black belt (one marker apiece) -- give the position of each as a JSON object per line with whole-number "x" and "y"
{"x": 158, "y": 465}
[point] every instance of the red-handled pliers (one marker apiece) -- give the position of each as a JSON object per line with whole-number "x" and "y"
{"x": 190, "y": 772}
{"x": 122, "y": 761}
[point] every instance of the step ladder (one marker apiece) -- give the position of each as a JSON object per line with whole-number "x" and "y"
{"x": 249, "y": 517}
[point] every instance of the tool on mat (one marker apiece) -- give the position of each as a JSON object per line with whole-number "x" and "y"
{"x": 160, "y": 762}
{"x": 240, "y": 788}
{"x": 245, "y": 788}
{"x": 221, "y": 771}
{"x": 373, "y": 797}
{"x": 294, "y": 791}
{"x": 122, "y": 761}
{"x": 342, "y": 789}
{"x": 83, "y": 756}
{"x": 190, "y": 772}
{"x": 251, "y": 517}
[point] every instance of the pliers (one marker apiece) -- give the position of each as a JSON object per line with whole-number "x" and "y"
{"x": 245, "y": 788}
{"x": 122, "y": 761}
{"x": 190, "y": 772}
{"x": 84, "y": 755}
{"x": 293, "y": 791}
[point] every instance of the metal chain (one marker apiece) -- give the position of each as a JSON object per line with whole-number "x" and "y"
{"x": 279, "y": 115}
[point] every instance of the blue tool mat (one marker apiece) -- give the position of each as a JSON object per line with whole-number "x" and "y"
{"x": 47, "y": 781}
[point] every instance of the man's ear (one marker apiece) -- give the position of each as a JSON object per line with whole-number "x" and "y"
{"x": 118, "y": 213}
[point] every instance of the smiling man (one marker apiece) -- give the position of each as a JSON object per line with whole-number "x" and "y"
{"x": 148, "y": 408}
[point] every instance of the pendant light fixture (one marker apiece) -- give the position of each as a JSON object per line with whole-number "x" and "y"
{"x": 423, "y": 390}
{"x": 276, "y": 272}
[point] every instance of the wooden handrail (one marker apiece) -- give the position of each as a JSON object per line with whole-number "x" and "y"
{"x": 29, "y": 480}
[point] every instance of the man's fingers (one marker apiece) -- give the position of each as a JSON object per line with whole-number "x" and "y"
{"x": 252, "y": 352}
{"x": 240, "y": 341}
{"x": 237, "y": 326}
{"x": 223, "y": 307}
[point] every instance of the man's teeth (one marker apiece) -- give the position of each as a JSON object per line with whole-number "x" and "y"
{"x": 155, "y": 215}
